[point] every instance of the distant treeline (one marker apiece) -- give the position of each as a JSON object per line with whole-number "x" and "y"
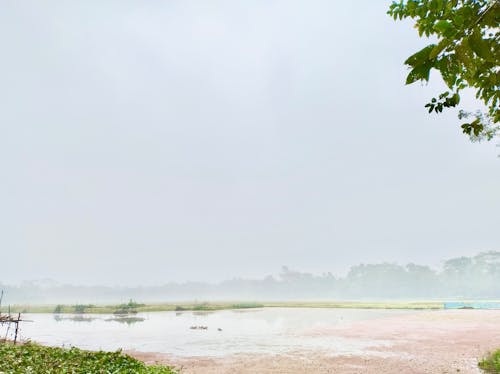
{"x": 475, "y": 277}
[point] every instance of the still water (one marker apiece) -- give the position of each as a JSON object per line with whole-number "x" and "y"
{"x": 266, "y": 330}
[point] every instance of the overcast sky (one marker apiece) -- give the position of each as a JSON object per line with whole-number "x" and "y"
{"x": 152, "y": 141}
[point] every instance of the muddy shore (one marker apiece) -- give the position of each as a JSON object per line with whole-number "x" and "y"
{"x": 446, "y": 341}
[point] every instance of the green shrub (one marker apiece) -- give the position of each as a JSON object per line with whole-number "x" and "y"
{"x": 36, "y": 359}
{"x": 491, "y": 364}
{"x": 80, "y": 308}
{"x": 130, "y": 307}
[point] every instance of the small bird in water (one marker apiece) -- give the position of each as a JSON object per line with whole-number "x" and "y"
{"x": 219, "y": 329}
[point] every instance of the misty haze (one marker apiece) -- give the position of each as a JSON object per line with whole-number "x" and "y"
{"x": 249, "y": 186}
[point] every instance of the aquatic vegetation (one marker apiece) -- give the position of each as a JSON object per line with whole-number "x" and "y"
{"x": 247, "y": 306}
{"x": 491, "y": 364}
{"x": 80, "y": 308}
{"x": 37, "y": 359}
{"x": 213, "y": 306}
{"x": 128, "y": 308}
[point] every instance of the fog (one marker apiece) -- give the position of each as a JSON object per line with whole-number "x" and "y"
{"x": 152, "y": 143}
{"x": 460, "y": 278}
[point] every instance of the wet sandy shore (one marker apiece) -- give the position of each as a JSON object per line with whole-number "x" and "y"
{"x": 446, "y": 341}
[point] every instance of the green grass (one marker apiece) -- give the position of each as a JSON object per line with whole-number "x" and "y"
{"x": 36, "y": 359}
{"x": 416, "y": 305}
{"x": 491, "y": 364}
{"x": 213, "y": 306}
{"x": 247, "y": 305}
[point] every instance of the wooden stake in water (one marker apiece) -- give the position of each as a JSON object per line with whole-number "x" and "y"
{"x": 17, "y": 327}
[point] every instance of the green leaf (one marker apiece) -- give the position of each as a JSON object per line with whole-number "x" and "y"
{"x": 443, "y": 26}
{"x": 480, "y": 46}
{"x": 420, "y": 72}
{"x": 439, "y": 48}
{"x": 420, "y": 57}
{"x": 464, "y": 53}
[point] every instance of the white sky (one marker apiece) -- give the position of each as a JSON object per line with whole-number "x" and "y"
{"x": 152, "y": 141}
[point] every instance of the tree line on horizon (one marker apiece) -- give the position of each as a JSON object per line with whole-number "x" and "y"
{"x": 476, "y": 277}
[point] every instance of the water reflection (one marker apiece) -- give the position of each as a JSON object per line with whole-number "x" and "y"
{"x": 126, "y": 320}
{"x": 202, "y": 313}
{"x": 73, "y": 318}
{"x": 86, "y": 318}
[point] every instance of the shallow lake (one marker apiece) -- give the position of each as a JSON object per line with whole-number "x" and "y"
{"x": 266, "y": 330}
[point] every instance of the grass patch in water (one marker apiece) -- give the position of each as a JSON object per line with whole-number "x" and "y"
{"x": 37, "y": 359}
{"x": 246, "y": 306}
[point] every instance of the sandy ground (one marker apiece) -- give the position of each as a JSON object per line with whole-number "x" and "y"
{"x": 447, "y": 341}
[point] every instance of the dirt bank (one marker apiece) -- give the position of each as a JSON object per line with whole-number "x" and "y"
{"x": 446, "y": 341}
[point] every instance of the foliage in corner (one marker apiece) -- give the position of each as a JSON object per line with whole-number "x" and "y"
{"x": 37, "y": 359}
{"x": 467, "y": 54}
{"x": 491, "y": 364}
